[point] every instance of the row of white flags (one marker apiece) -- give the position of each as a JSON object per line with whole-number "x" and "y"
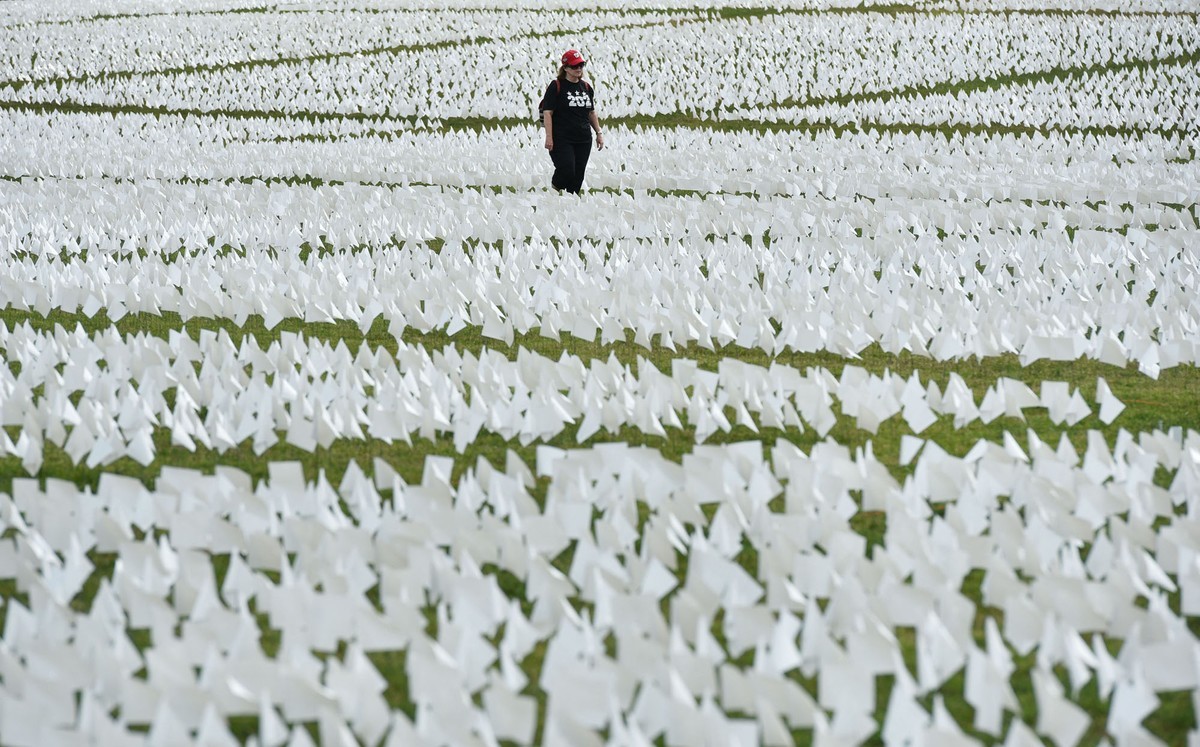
{"x": 1001, "y": 278}
{"x": 647, "y": 598}
{"x": 82, "y": 12}
{"x": 102, "y": 398}
{"x": 1162, "y": 97}
{"x": 830, "y": 55}
{"x": 156, "y": 41}
{"x": 1064, "y": 555}
{"x": 31, "y": 11}
{"x": 1083, "y": 178}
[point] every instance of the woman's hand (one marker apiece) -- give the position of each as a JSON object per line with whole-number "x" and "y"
{"x": 549, "y": 142}
{"x": 599, "y": 141}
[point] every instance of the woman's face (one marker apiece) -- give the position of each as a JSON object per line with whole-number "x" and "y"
{"x": 575, "y": 72}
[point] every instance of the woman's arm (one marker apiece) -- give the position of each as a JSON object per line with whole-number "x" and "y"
{"x": 595, "y": 122}
{"x": 548, "y": 123}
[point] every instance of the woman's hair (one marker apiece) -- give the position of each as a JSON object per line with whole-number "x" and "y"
{"x": 562, "y": 72}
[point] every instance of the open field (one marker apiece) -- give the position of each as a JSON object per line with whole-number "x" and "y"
{"x": 856, "y": 400}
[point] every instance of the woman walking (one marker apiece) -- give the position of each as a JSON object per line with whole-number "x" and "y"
{"x": 568, "y": 111}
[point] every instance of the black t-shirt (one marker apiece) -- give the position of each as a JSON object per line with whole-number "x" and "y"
{"x": 570, "y": 103}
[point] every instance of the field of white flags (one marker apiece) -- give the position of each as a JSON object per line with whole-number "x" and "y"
{"x": 855, "y": 400}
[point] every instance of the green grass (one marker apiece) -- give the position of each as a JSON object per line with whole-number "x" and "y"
{"x": 1168, "y": 401}
{"x": 999, "y": 81}
{"x": 1171, "y": 400}
{"x": 660, "y": 121}
{"x": 330, "y": 56}
{"x": 672, "y": 120}
{"x": 1151, "y": 404}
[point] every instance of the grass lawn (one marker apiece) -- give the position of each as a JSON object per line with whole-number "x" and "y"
{"x": 1170, "y": 401}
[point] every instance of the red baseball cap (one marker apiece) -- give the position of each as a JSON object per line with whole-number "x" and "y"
{"x": 572, "y": 57}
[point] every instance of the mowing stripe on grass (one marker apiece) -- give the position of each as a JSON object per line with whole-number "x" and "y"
{"x": 889, "y": 9}
{"x": 659, "y": 121}
{"x": 325, "y": 57}
{"x": 1148, "y": 400}
{"x": 998, "y": 81}
{"x": 722, "y": 12}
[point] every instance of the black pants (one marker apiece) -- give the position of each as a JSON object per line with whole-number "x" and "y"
{"x": 570, "y": 160}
